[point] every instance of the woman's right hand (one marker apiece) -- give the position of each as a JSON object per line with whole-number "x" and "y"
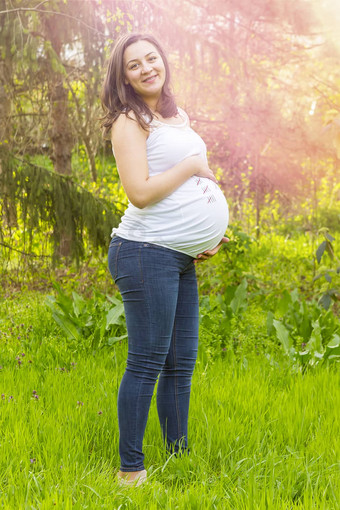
{"x": 201, "y": 168}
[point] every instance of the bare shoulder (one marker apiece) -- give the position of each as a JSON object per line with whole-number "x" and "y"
{"x": 126, "y": 133}
{"x": 126, "y": 126}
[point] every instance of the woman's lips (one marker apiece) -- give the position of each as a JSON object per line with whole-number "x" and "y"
{"x": 150, "y": 79}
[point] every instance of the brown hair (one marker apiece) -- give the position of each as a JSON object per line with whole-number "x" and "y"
{"x": 118, "y": 97}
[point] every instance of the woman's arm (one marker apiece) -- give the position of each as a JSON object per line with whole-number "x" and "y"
{"x": 129, "y": 145}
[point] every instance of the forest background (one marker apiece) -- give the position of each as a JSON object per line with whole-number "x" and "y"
{"x": 261, "y": 84}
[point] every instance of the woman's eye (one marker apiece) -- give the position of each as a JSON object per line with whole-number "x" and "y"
{"x": 134, "y": 66}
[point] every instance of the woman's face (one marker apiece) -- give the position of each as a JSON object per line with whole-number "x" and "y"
{"x": 144, "y": 70}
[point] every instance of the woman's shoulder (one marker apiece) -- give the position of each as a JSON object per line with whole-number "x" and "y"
{"x": 125, "y": 117}
{"x": 127, "y": 125}
{"x": 126, "y": 120}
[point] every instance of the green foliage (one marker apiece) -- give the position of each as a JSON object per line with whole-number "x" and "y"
{"x": 108, "y": 186}
{"x": 221, "y": 323}
{"x": 46, "y": 200}
{"x": 54, "y": 60}
{"x": 230, "y": 265}
{"x": 278, "y": 306}
{"x": 88, "y": 324}
{"x": 330, "y": 290}
{"x": 307, "y": 334}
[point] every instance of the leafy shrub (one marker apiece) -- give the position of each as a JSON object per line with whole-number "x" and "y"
{"x": 330, "y": 276}
{"x": 307, "y": 333}
{"x": 218, "y": 314}
{"x": 229, "y": 266}
{"x": 88, "y": 324}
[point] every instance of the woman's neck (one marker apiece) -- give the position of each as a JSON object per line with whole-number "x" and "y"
{"x": 153, "y": 105}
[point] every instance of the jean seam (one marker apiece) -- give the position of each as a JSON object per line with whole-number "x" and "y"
{"x": 116, "y": 259}
{"x": 140, "y": 265}
{"x": 135, "y": 431}
{"x": 148, "y": 308}
{"x": 176, "y": 383}
{"x": 144, "y": 374}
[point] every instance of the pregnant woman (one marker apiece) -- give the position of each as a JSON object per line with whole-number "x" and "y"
{"x": 176, "y": 215}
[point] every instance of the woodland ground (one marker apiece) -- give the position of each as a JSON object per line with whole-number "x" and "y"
{"x": 264, "y": 432}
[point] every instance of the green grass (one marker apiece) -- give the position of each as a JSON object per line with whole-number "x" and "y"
{"x": 261, "y": 436}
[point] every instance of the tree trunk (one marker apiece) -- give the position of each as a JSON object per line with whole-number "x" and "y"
{"x": 9, "y": 207}
{"x": 91, "y": 157}
{"x": 60, "y": 131}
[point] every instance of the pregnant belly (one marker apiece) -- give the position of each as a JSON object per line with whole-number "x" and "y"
{"x": 191, "y": 220}
{"x": 204, "y": 213}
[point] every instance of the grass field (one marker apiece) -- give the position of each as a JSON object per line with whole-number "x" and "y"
{"x": 262, "y": 436}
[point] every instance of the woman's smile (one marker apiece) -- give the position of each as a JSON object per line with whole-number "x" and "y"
{"x": 150, "y": 79}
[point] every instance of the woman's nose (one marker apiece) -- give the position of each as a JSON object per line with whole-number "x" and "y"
{"x": 146, "y": 68}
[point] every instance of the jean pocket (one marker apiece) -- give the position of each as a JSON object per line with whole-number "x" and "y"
{"x": 113, "y": 257}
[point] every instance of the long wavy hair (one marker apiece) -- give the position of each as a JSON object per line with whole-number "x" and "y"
{"x": 118, "y": 97}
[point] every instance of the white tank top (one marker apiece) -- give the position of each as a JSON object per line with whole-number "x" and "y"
{"x": 195, "y": 216}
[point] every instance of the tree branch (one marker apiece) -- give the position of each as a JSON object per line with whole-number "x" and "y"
{"x": 24, "y": 252}
{"x": 43, "y": 11}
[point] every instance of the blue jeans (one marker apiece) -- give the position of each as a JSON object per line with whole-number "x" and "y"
{"x": 159, "y": 291}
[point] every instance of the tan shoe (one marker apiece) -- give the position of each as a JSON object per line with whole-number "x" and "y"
{"x": 135, "y": 482}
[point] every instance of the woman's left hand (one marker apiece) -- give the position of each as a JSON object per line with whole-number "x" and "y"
{"x": 210, "y": 253}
